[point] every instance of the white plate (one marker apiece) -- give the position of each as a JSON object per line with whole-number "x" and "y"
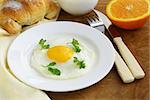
{"x": 20, "y": 52}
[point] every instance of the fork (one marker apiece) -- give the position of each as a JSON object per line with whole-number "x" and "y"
{"x": 121, "y": 66}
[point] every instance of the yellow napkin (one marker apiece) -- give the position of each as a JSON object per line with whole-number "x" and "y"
{"x": 10, "y": 87}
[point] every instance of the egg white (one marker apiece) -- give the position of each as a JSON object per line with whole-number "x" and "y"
{"x": 69, "y": 69}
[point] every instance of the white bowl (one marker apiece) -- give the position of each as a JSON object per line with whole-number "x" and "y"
{"x": 78, "y": 7}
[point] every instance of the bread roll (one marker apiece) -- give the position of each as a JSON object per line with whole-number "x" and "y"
{"x": 36, "y": 9}
{"x": 9, "y": 25}
{"x": 15, "y": 10}
{"x": 15, "y": 14}
{"x": 53, "y": 9}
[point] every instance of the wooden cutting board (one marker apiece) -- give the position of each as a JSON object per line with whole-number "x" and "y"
{"x": 111, "y": 87}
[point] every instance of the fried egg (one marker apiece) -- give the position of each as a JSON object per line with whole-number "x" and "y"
{"x": 62, "y": 52}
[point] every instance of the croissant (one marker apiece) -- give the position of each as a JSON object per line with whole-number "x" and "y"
{"x": 15, "y": 14}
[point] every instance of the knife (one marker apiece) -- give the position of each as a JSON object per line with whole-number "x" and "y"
{"x": 130, "y": 60}
{"x": 122, "y": 68}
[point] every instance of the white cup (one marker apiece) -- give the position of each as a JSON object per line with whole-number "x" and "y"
{"x": 77, "y": 7}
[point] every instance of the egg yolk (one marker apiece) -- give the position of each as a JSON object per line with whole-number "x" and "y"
{"x": 60, "y": 54}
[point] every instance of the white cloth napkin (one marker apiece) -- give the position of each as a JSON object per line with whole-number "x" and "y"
{"x": 10, "y": 87}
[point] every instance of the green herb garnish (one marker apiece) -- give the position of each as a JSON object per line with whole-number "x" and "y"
{"x": 54, "y": 71}
{"x": 51, "y": 64}
{"x": 43, "y": 44}
{"x": 76, "y": 44}
{"x": 79, "y": 63}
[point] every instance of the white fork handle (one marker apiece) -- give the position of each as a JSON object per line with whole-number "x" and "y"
{"x": 123, "y": 70}
{"x": 132, "y": 63}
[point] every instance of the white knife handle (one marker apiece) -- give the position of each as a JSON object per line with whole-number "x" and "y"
{"x": 130, "y": 60}
{"x": 122, "y": 69}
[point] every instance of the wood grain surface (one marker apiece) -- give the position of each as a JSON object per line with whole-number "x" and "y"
{"x": 111, "y": 87}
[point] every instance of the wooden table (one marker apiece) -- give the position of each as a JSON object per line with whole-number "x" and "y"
{"x": 111, "y": 87}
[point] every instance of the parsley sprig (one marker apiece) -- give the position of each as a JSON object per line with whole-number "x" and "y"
{"x": 54, "y": 71}
{"x": 79, "y": 63}
{"x": 43, "y": 44}
{"x": 76, "y": 44}
{"x": 51, "y": 64}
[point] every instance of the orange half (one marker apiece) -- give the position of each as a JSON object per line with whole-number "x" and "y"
{"x": 128, "y": 14}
